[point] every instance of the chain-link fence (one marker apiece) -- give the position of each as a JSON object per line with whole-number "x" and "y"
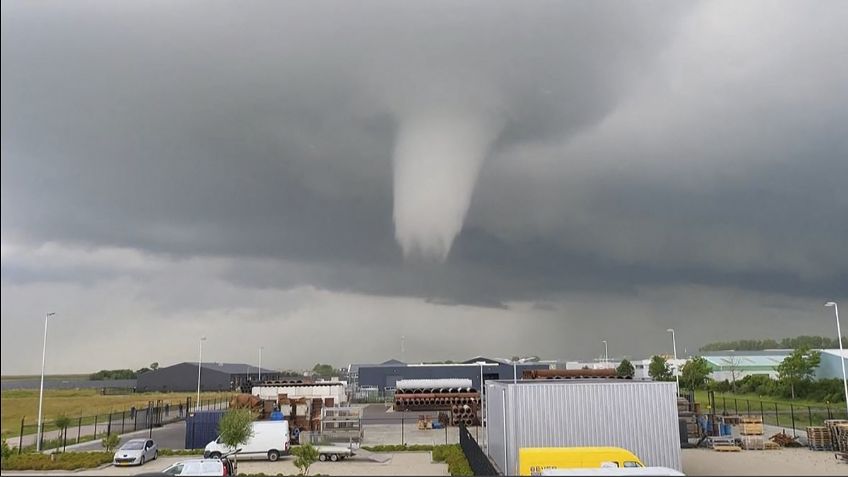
{"x": 778, "y": 414}
{"x": 58, "y": 433}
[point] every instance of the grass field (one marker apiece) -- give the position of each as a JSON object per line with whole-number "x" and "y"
{"x": 47, "y": 377}
{"x": 775, "y": 411}
{"x": 74, "y": 403}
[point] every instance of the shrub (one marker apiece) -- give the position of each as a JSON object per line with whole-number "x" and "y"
{"x": 110, "y": 442}
{"x": 452, "y": 455}
{"x": 7, "y": 452}
{"x": 305, "y": 456}
{"x": 186, "y": 452}
{"x": 399, "y": 448}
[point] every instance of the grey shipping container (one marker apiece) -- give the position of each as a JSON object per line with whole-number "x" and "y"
{"x": 201, "y": 428}
{"x": 638, "y": 416}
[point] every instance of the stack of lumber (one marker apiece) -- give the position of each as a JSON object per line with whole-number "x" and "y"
{"x": 782, "y": 439}
{"x": 724, "y": 444}
{"x": 819, "y": 438}
{"x": 753, "y": 442}
{"x": 838, "y": 433}
{"x": 687, "y": 416}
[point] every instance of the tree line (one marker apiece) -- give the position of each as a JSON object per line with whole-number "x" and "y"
{"x": 811, "y": 342}
{"x": 795, "y": 378}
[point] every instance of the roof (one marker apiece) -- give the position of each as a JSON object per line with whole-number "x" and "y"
{"x": 392, "y": 362}
{"x": 746, "y": 361}
{"x": 836, "y": 353}
{"x": 232, "y": 368}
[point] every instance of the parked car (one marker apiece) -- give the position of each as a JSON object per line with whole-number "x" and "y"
{"x": 136, "y": 452}
{"x": 202, "y": 467}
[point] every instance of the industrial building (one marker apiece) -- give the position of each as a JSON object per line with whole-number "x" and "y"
{"x": 640, "y": 416}
{"x": 831, "y": 363}
{"x": 385, "y": 375}
{"x": 213, "y": 377}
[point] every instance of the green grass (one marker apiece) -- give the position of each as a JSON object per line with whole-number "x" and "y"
{"x": 774, "y": 411}
{"x": 47, "y": 377}
{"x": 20, "y": 403}
{"x": 66, "y": 461}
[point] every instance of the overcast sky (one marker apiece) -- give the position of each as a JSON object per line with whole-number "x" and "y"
{"x": 483, "y": 178}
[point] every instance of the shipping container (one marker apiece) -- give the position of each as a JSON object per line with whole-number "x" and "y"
{"x": 638, "y": 416}
{"x": 201, "y": 428}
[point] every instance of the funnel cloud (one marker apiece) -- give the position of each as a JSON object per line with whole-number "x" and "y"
{"x": 436, "y": 163}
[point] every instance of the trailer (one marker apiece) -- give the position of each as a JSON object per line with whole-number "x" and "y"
{"x": 334, "y": 453}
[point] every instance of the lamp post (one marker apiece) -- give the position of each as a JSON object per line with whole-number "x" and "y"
{"x": 260, "y": 363}
{"x": 606, "y": 353}
{"x": 841, "y": 351}
{"x": 41, "y": 388}
{"x": 674, "y": 343}
{"x": 199, "y": 366}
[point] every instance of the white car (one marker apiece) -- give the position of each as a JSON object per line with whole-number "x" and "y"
{"x": 136, "y": 452}
{"x": 201, "y": 467}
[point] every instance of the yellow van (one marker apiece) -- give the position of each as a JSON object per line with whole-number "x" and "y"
{"x": 533, "y": 460}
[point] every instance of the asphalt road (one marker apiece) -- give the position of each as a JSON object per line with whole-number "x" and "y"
{"x": 170, "y": 436}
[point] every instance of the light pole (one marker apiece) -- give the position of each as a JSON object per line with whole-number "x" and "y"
{"x": 199, "y": 366}
{"x": 260, "y": 363}
{"x": 606, "y": 353}
{"x": 674, "y": 343}
{"x": 41, "y": 389}
{"x": 841, "y": 351}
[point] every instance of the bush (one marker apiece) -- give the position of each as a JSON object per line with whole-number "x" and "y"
{"x": 7, "y": 452}
{"x": 399, "y": 448}
{"x": 110, "y": 442}
{"x": 171, "y": 452}
{"x": 66, "y": 461}
{"x": 454, "y": 457}
{"x": 305, "y": 456}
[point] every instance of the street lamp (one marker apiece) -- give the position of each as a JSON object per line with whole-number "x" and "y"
{"x": 199, "y": 366}
{"x": 260, "y": 363}
{"x": 606, "y": 353}
{"x": 676, "y": 374}
{"x": 841, "y": 351}
{"x": 41, "y": 390}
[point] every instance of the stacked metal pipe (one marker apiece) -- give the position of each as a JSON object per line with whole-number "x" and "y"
{"x": 571, "y": 374}
{"x": 452, "y": 395}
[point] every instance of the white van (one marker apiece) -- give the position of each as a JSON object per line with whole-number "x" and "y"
{"x": 270, "y": 439}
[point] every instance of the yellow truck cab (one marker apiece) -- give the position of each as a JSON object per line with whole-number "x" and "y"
{"x": 533, "y": 460}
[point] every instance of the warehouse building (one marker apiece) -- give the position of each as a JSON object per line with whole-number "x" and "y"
{"x": 384, "y": 376}
{"x": 831, "y": 363}
{"x": 640, "y": 416}
{"x": 213, "y": 377}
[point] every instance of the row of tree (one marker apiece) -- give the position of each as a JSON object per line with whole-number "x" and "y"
{"x": 795, "y": 377}
{"x": 811, "y": 342}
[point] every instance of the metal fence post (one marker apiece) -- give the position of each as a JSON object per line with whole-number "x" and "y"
{"x": 724, "y": 405}
{"x": 135, "y": 420}
{"x": 810, "y": 412}
{"x": 64, "y": 438}
{"x": 109, "y": 426}
{"x": 748, "y": 404}
{"x": 762, "y": 412}
{"x": 21, "y": 438}
{"x": 95, "y": 426}
{"x": 79, "y": 429}
{"x": 123, "y": 419}
{"x": 829, "y": 415}
{"x": 776, "y": 414}
{"x": 736, "y": 405}
{"x": 792, "y": 413}
{"x": 402, "y": 420}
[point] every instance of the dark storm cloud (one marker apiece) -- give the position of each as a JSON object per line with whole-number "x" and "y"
{"x": 220, "y": 129}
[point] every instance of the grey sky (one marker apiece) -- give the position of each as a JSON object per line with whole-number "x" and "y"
{"x": 172, "y": 169}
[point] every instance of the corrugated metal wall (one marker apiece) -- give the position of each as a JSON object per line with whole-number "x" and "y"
{"x": 638, "y": 416}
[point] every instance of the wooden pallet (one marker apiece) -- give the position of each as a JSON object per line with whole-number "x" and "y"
{"x": 727, "y": 448}
{"x": 769, "y": 445}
